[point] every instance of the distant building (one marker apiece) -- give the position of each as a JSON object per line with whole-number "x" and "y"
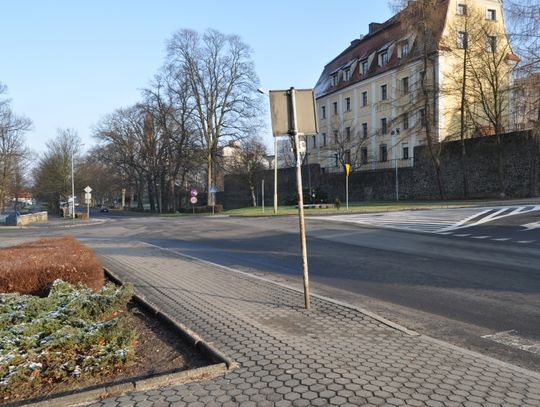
{"x": 367, "y": 96}
{"x": 526, "y": 101}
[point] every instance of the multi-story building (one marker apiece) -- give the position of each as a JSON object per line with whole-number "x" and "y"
{"x": 370, "y": 99}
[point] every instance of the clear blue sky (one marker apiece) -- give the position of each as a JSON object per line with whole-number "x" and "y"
{"x": 68, "y": 63}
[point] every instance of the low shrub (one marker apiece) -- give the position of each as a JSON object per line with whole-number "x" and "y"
{"x": 69, "y": 335}
{"x": 31, "y": 268}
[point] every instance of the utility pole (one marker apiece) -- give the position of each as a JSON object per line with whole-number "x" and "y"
{"x": 72, "y": 185}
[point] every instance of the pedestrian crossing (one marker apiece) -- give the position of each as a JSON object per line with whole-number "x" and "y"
{"x": 440, "y": 221}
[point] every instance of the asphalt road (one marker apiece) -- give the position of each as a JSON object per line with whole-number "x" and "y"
{"x": 456, "y": 288}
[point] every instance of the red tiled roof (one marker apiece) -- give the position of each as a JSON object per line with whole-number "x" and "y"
{"x": 385, "y": 35}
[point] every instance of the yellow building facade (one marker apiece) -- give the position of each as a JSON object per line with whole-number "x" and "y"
{"x": 370, "y": 99}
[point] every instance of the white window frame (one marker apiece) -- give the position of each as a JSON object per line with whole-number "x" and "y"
{"x": 462, "y": 9}
{"x": 491, "y": 14}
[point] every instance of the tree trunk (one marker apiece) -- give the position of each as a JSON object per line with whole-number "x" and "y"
{"x": 151, "y": 195}
{"x": 210, "y": 196}
{"x": 253, "y": 194}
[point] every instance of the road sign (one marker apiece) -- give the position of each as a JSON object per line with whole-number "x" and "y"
{"x": 347, "y": 169}
{"x": 193, "y": 200}
{"x": 281, "y": 107}
{"x": 87, "y": 189}
{"x": 87, "y": 196}
{"x": 213, "y": 189}
{"x": 193, "y": 192}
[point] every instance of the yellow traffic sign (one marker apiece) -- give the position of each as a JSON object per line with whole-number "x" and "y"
{"x": 347, "y": 169}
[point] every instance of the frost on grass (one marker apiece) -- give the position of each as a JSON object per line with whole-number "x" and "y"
{"x": 72, "y": 333}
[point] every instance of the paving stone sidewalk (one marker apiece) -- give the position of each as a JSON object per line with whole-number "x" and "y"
{"x": 330, "y": 355}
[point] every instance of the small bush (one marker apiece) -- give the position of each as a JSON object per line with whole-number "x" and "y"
{"x": 337, "y": 203}
{"x": 32, "y": 267}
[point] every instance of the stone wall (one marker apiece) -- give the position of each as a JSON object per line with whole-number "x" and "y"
{"x": 32, "y": 218}
{"x": 520, "y": 158}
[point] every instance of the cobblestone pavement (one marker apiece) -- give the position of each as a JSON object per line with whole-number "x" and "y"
{"x": 330, "y": 355}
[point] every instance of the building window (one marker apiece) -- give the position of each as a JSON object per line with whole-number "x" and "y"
{"x": 336, "y": 157}
{"x": 405, "y": 85}
{"x": 462, "y": 9}
{"x": 324, "y": 139}
{"x": 383, "y": 58}
{"x": 347, "y": 157}
{"x": 323, "y": 112}
{"x": 384, "y": 126}
{"x": 405, "y": 151}
{"x": 348, "y": 133}
{"x": 384, "y": 92}
{"x": 364, "y": 99}
{"x": 405, "y": 121}
{"x": 334, "y": 79}
{"x": 462, "y": 40}
{"x": 364, "y": 67}
{"x": 335, "y": 107}
{"x": 364, "y": 155}
{"x": 423, "y": 117}
{"x": 348, "y": 104}
{"x": 364, "y": 130}
{"x": 314, "y": 139}
{"x": 383, "y": 153}
{"x": 347, "y": 74}
{"x": 404, "y": 49}
{"x": 491, "y": 14}
{"x": 336, "y": 137}
{"x": 491, "y": 43}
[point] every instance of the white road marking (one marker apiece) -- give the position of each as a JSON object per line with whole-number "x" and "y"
{"x": 511, "y": 338}
{"x": 526, "y": 241}
{"x": 481, "y": 237}
{"x": 440, "y": 221}
{"x": 502, "y": 239}
{"x": 530, "y": 226}
{"x": 463, "y": 235}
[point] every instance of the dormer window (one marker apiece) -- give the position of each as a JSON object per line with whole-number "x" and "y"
{"x": 383, "y": 58}
{"x": 403, "y": 49}
{"x": 334, "y": 79}
{"x": 364, "y": 67}
{"x": 347, "y": 74}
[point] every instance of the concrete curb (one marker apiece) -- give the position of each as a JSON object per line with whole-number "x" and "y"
{"x": 221, "y": 365}
{"x": 103, "y": 392}
{"x": 191, "y": 337}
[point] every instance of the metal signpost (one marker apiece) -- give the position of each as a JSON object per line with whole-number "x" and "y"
{"x": 347, "y": 171}
{"x": 293, "y": 113}
{"x": 87, "y": 200}
{"x": 193, "y": 199}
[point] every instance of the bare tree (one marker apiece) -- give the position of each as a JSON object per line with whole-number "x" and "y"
{"x": 12, "y": 149}
{"x": 246, "y": 157}
{"x": 52, "y": 174}
{"x": 223, "y": 85}
{"x": 422, "y": 17}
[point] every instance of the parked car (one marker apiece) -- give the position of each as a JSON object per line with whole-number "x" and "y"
{"x": 104, "y": 209}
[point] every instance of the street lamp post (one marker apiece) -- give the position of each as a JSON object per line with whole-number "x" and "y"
{"x": 262, "y": 91}
{"x": 72, "y": 186}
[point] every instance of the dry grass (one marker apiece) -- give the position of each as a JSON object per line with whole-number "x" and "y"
{"x": 32, "y": 267}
